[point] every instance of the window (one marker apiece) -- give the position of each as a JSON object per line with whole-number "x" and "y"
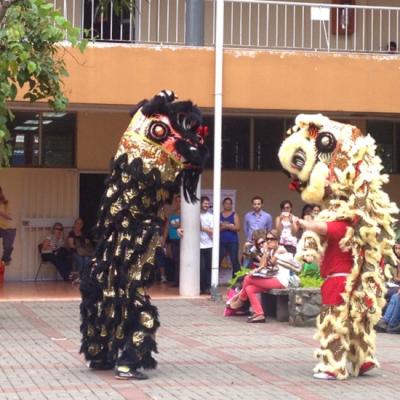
{"x": 384, "y": 134}
{"x": 268, "y": 137}
{"x": 235, "y": 142}
{"x": 43, "y": 139}
{"x": 24, "y": 131}
{"x": 109, "y": 25}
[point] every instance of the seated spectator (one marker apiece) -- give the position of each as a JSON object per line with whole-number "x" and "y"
{"x": 393, "y": 286}
{"x": 252, "y": 251}
{"x": 286, "y": 228}
{"x": 277, "y": 277}
{"x": 53, "y": 249}
{"x": 80, "y": 247}
{"x": 390, "y": 322}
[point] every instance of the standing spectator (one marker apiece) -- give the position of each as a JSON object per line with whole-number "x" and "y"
{"x": 7, "y": 228}
{"x": 392, "y": 47}
{"x": 229, "y": 238}
{"x": 315, "y": 210}
{"x": 53, "y": 249}
{"x": 307, "y": 212}
{"x": 79, "y": 245}
{"x": 206, "y": 244}
{"x": 284, "y": 223}
{"x": 161, "y": 256}
{"x": 172, "y": 235}
{"x": 257, "y": 218}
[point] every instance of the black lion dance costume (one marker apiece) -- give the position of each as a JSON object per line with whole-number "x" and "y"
{"x": 336, "y": 166}
{"x": 162, "y": 148}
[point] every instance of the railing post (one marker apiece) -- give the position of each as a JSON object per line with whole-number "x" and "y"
{"x": 194, "y": 23}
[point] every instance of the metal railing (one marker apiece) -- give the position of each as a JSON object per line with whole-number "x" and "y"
{"x": 283, "y": 25}
{"x": 310, "y": 26}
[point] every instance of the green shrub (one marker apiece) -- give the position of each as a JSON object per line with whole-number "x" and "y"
{"x": 240, "y": 274}
{"x": 310, "y": 276}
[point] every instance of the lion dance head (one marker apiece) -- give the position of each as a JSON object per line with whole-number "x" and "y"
{"x": 167, "y": 136}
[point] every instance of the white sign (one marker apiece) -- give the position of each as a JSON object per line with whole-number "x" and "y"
{"x": 320, "y": 14}
{"x": 224, "y": 193}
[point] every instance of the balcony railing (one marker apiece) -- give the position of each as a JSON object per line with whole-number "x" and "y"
{"x": 281, "y": 25}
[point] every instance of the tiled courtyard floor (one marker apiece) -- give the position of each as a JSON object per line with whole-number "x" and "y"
{"x": 202, "y": 355}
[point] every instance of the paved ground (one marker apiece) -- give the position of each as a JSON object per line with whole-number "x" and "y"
{"x": 202, "y": 356}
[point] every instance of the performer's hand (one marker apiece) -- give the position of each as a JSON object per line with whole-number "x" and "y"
{"x": 298, "y": 222}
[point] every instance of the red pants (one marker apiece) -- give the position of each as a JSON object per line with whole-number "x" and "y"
{"x": 252, "y": 286}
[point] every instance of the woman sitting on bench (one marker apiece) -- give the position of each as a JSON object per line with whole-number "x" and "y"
{"x": 53, "y": 249}
{"x": 269, "y": 275}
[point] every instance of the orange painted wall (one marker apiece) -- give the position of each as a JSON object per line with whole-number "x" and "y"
{"x": 253, "y": 79}
{"x": 98, "y": 137}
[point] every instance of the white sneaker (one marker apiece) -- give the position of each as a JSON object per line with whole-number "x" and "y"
{"x": 325, "y": 376}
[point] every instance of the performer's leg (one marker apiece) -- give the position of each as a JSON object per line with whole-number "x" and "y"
{"x": 8, "y": 244}
{"x": 366, "y": 309}
{"x": 139, "y": 342}
{"x": 333, "y": 334}
{"x": 362, "y": 347}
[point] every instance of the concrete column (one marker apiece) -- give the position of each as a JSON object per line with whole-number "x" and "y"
{"x": 194, "y": 35}
{"x": 189, "y": 278}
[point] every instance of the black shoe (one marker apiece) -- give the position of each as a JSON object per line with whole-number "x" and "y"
{"x": 127, "y": 373}
{"x": 256, "y": 319}
{"x": 100, "y": 365}
{"x": 381, "y": 326}
{"x": 393, "y": 329}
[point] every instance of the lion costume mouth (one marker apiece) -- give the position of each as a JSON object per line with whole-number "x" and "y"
{"x": 299, "y": 159}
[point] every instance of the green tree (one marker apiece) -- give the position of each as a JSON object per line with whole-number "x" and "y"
{"x": 32, "y": 37}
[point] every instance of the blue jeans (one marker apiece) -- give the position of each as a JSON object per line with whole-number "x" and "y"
{"x": 392, "y": 314}
{"x": 81, "y": 262}
{"x": 232, "y": 249}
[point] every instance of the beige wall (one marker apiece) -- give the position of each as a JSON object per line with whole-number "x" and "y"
{"x": 98, "y": 137}
{"x": 38, "y": 198}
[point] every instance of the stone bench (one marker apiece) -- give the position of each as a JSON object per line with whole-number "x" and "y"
{"x": 304, "y": 306}
{"x": 275, "y": 304}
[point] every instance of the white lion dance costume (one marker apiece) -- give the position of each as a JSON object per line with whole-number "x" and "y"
{"x": 335, "y": 165}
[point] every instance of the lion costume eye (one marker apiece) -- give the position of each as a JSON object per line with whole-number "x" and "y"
{"x": 158, "y": 131}
{"x": 325, "y": 142}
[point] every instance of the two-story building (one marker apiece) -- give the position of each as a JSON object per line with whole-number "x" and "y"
{"x": 280, "y": 58}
